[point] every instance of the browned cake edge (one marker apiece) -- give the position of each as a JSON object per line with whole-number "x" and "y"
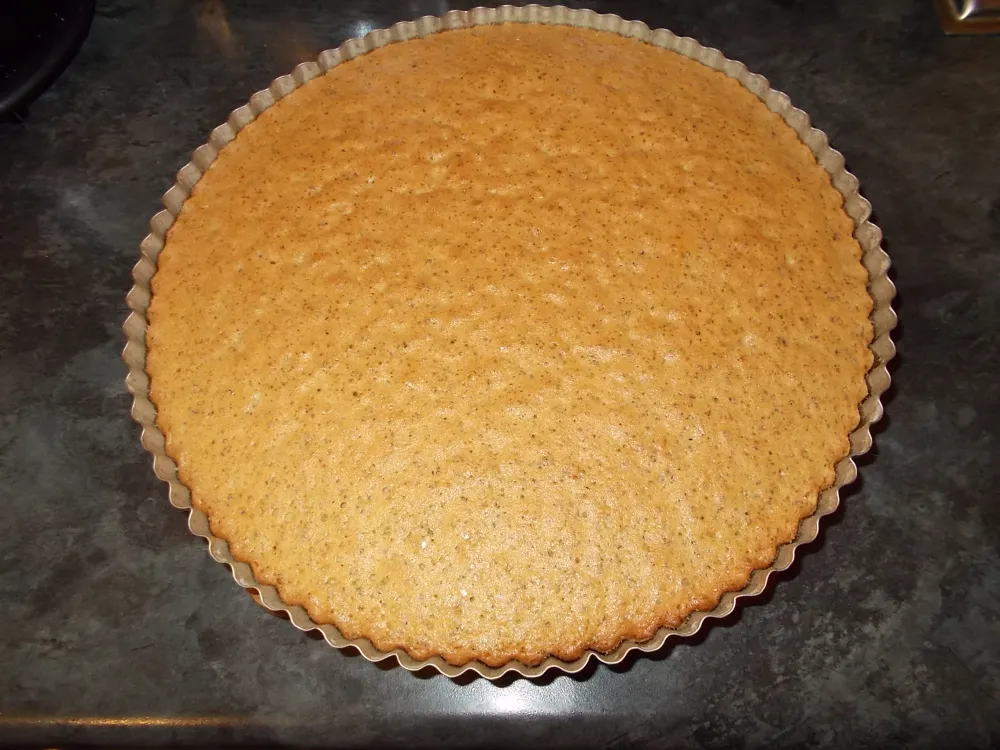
{"x": 656, "y": 631}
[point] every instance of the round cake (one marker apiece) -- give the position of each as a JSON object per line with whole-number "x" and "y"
{"x": 509, "y": 342}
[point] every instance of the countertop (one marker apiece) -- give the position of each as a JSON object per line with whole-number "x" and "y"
{"x": 117, "y": 627}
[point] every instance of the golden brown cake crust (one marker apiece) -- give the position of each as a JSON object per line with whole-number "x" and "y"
{"x": 509, "y": 342}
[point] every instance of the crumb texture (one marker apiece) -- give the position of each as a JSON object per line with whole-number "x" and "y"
{"x": 509, "y": 342}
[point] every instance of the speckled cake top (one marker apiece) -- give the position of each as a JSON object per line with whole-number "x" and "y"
{"x": 510, "y": 341}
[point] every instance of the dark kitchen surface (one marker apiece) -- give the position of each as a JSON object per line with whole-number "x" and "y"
{"x": 117, "y": 627}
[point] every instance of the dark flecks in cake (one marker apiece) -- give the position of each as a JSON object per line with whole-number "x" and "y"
{"x": 549, "y": 329}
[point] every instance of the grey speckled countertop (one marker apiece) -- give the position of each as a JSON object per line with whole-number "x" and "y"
{"x": 116, "y": 626}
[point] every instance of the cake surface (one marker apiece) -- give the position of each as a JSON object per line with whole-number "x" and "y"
{"x": 510, "y": 341}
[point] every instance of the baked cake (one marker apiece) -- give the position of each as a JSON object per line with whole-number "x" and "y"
{"x": 510, "y": 341}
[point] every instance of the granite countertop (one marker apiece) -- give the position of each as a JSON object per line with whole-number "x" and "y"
{"x": 116, "y": 625}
